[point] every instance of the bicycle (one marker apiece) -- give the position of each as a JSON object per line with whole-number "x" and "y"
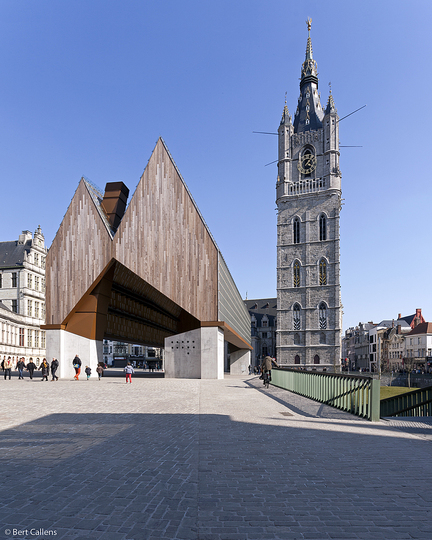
{"x": 267, "y": 378}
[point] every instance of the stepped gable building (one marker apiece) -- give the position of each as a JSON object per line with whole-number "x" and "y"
{"x": 308, "y": 197}
{"x": 148, "y": 273}
{"x": 262, "y": 313}
{"x": 22, "y": 296}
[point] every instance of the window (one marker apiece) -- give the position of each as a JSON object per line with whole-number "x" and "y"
{"x": 265, "y": 323}
{"x": 316, "y": 359}
{"x": 37, "y": 310}
{"x": 15, "y": 306}
{"x": 29, "y": 281}
{"x": 14, "y": 279}
{"x": 36, "y": 341}
{"x": 322, "y": 227}
{"x": 323, "y": 316}
{"x": 297, "y": 359}
{"x": 21, "y": 337}
{"x": 36, "y": 283}
{"x": 36, "y": 259}
{"x": 29, "y": 338}
{"x": 29, "y": 308}
{"x": 296, "y": 231}
{"x": 296, "y": 272}
{"x": 296, "y": 317}
{"x": 322, "y": 272}
{"x": 43, "y": 340}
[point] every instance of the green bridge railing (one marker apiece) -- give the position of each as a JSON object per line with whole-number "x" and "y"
{"x": 351, "y": 393}
{"x": 416, "y": 403}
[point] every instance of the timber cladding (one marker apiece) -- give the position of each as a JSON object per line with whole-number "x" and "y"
{"x": 162, "y": 240}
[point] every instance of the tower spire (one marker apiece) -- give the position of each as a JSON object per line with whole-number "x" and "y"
{"x": 309, "y": 70}
{"x": 309, "y": 113}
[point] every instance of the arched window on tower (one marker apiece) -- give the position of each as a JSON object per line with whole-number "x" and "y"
{"x": 296, "y": 274}
{"x": 322, "y": 272}
{"x": 316, "y": 359}
{"x": 322, "y": 316}
{"x": 296, "y": 231}
{"x": 297, "y": 359}
{"x": 296, "y": 317}
{"x": 322, "y": 227}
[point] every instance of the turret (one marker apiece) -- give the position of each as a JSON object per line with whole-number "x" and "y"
{"x": 331, "y": 144}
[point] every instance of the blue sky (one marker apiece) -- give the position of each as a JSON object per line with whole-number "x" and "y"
{"x": 87, "y": 87}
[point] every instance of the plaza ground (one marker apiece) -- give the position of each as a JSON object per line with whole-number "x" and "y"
{"x": 204, "y": 460}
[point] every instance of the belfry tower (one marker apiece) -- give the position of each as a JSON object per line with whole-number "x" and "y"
{"x": 308, "y": 197}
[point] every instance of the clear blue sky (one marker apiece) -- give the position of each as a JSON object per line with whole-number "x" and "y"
{"x": 88, "y": 86}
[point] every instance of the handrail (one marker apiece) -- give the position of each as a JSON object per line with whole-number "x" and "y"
{"x": 355, "y": 394}
{"x": 415, "y": 403}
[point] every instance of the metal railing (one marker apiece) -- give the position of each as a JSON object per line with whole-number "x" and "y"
{"x": 416, "y": 403}
{"x": 351, "y": 393}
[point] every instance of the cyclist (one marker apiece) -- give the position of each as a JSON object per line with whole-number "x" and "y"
{"x": 266, "y": 367}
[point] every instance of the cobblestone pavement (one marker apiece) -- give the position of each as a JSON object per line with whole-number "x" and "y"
{"x": 202, "y": 460}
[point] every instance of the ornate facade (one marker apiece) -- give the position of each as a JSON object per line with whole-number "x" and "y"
{"x": 309, "y": 201}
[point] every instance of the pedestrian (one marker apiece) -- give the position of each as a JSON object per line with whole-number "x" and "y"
{"x": 8, "y": 368}
{"x": 99, "y": 371}
{"x": 87, "y": 372}
{"x": 54, "y": 367}
{"x": 45, "y": 370}
{"x": 129, "y": 370}
{"x": 31, "y": 366}
{"x": 76, "y": 362}
{"x": 20, "y": 368}
{"x": 3, "y": 362}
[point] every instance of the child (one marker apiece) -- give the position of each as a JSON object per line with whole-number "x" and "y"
{"x": 129, "y": 370}
{"x": 99, "y": 371}
{"x": 88, "y": 372}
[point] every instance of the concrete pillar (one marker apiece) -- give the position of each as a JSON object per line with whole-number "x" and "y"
{"x": 239, "y": 362}
{"x": 197, "y": 354}
{"x": 64, "y": 346}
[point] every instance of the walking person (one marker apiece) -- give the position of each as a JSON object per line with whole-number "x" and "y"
{"x": 31, "y": 366}
{"x": 45, "y": 370}
{"x": 76, "y": 362}
{"x": 8, "y": 368}
{"x": 87, "y": 372}
{"x": 20, "y": 367}
{"x": 54, "y": 367}
{"x": 99, "y": 371}
{"x": 129, "y": 370}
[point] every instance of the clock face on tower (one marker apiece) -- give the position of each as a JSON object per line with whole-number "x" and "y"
{"x": 307, "y": 163}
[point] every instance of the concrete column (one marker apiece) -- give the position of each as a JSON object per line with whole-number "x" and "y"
{"x": 65, "y": 346}
{"x": 239, "y": 362}
{"x": 197, "y": 354}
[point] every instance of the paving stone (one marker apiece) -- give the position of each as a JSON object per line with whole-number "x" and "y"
{"x": 206, "y": 460}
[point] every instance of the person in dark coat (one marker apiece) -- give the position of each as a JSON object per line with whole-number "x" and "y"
{"x": 267, "y": 365}
{"x": 45, "y": 370}
{"x": 76, "y": 362}
{"x": 31, "y": 366}
{"x": 20, "y": 367}
{"x": 87, "y": 372}
{"x": 54, "y": 367}
{"x": 100, "y": 370}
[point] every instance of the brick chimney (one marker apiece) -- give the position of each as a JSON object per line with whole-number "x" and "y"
{"x": 114, "y": 202}
{"x": 418, "y": 317}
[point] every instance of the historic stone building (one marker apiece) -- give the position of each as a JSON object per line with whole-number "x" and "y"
{"x": 309, "y": 201}
{"x": 22, "y": 296}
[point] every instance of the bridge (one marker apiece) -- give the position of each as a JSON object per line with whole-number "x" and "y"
{"x": 148, "y": 272}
